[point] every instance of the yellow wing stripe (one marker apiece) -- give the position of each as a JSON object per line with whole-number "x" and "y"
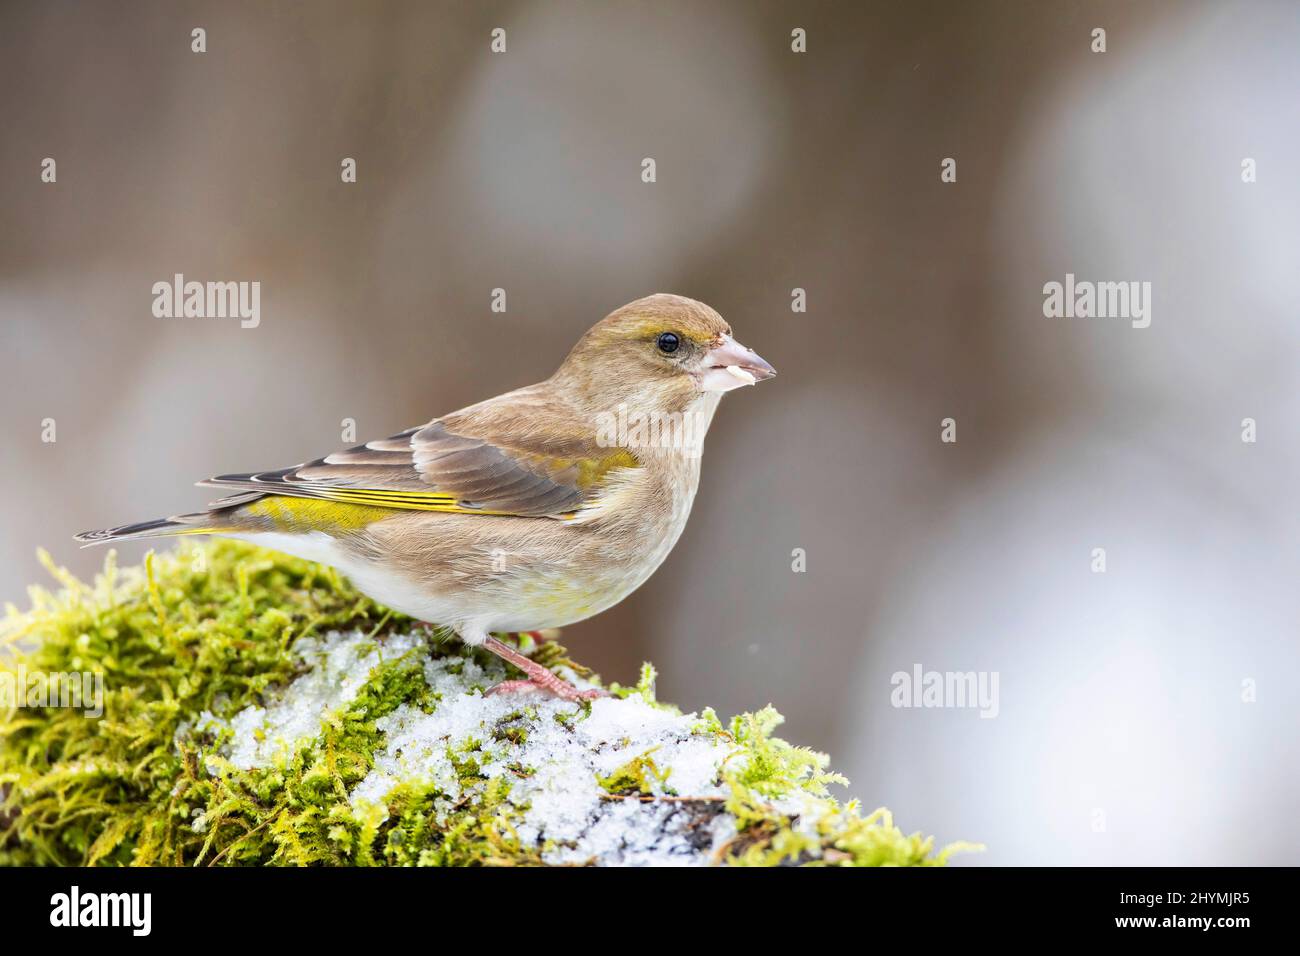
{"x": 288, "y": 513}
{"x": 413, "y": 501}
{"x": 406, "y": 502}
{"x": 376, "y": 494}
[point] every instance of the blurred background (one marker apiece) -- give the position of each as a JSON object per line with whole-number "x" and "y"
{"x": 1122, "y": 735}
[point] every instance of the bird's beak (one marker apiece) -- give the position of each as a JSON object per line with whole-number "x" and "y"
{"x": 730, "y": 365}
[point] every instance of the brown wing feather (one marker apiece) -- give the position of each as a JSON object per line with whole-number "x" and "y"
{"x": 485, "y": 459}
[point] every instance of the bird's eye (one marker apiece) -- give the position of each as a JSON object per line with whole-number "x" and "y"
{"x": 668, "y": 342}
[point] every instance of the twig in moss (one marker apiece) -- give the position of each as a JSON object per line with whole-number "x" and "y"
{"x": 651, "y": 798}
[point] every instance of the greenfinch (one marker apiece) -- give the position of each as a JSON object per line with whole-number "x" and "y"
{"x": 532, "y": 510}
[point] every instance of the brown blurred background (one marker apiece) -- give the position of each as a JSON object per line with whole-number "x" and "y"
{"x": 1120, "y": 693}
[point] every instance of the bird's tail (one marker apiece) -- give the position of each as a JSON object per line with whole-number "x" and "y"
{"x": 202, "y": 522}
{"x": 222, "y": 516}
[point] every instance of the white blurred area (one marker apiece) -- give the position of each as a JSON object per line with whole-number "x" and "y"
{"x": 1124, "y": 735}
{"x": 1119, "y": 692}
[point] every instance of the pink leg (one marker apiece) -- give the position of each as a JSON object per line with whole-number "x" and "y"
{"x": 539, "y": 678}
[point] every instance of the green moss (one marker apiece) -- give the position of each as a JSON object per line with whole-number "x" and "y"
{"x": 198, "y": 635}
{"x": 638, "y": 776}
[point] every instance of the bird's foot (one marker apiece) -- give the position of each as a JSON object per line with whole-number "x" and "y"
{"x": 539, "y": 677}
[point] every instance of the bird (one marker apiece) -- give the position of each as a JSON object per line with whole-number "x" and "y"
{"x": 532, "y": 510}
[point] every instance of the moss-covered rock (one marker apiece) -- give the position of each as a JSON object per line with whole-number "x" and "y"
{"x": 257, "y": 709}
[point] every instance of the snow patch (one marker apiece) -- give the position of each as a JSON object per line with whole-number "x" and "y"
{"x": 551, "y": 751}
{"x": 339, "y": 665}
{"x": 563, "y": 753}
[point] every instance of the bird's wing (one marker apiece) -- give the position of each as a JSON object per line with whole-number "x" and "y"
{"x": 490, "y": 459}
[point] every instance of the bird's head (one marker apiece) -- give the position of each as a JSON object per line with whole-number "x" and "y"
{"x": 660, "y": 353}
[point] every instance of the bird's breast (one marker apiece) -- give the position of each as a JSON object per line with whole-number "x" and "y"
{"x": 628, "y": 534}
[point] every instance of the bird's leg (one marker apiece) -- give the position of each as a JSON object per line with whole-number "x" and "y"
{"x": 539, "y": 678}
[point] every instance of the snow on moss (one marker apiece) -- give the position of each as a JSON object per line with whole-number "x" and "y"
{"x": 559, "y": 757}
{"x": 337, "y": 668}
{"x": 556, "y": 754}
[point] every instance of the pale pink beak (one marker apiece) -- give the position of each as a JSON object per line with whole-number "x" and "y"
{"x": 730, "y": 365}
